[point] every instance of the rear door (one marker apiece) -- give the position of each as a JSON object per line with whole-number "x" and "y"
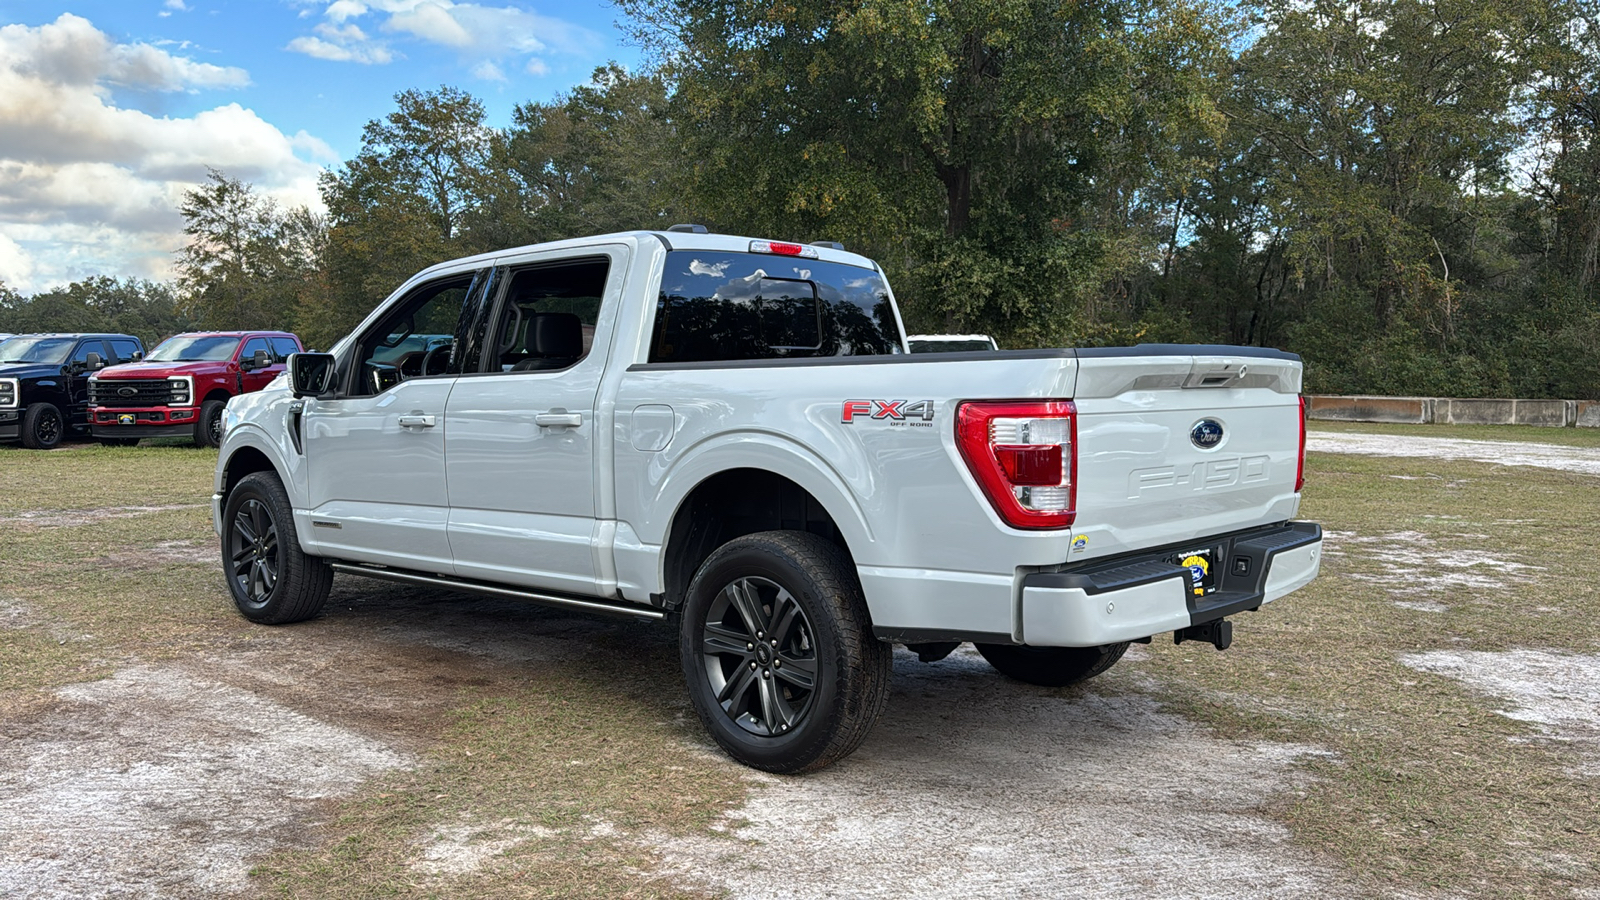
{"x": 1180, "y": 442}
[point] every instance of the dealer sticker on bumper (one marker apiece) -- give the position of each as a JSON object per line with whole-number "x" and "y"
{"x": 125, "y": 419}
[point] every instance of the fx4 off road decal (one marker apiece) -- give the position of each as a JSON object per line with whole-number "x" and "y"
{"x": 895, "y": 412}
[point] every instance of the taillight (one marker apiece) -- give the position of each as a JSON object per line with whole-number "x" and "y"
{"x": 1300, "y": 471}
{"x": 1024, "y": 455}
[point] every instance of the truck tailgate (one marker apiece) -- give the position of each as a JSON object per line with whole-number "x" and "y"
{"x": 1180, "y": 443}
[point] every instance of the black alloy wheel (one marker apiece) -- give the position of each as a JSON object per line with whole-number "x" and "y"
{"x": 760, "y": 656}
{"x": 253, "y": 553}
{"x": 208, "y": 430}
{"x": 42, "y": 427}
{"x": 271, "y": 579}
{"x": 778, "y": 652}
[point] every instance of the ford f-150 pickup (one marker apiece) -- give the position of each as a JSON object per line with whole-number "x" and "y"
{"x": 728, "y": 434}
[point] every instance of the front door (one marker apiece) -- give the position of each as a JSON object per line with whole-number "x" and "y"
{"x": 521, "y": 449}
{"x": 255, "y": 379}
{"x": 375, "y": 452}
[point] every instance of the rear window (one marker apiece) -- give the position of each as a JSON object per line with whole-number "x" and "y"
{"x": 718, "y": 305}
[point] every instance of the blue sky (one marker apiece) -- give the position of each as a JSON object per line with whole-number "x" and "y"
{"x": 109, "y": 111}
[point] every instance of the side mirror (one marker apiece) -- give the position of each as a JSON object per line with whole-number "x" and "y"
{"x": 310, "y": 374}
{"x": 93, "y": 362}
{"x": 258, "y": 360}
{"x": 138, "y": 355}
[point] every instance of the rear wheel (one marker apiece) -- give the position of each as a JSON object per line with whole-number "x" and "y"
{"x": 42, "y": 427}
{"x": 208, "y": 428}
{"x": 272, "y": 581}
{"x": 778, "y": 651}
{"x": 1052, "y": 666}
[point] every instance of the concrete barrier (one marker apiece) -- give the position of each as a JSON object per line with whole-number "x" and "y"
{"x": 1455, "y": 411}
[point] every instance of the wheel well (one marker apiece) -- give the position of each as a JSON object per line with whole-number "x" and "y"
{"x": 732, "y": 504}
{"x": 242, "y": 463}
{"x": 217, "y": 394}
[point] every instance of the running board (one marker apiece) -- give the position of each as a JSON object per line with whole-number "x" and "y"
{"x": 496, "y": 590}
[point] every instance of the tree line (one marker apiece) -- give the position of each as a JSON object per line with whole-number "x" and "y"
{"x": 1405, "y": 192}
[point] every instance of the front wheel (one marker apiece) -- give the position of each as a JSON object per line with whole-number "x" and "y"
{"x": 42, "y": 427}
{"x": 1052, "y": 666}
{"x": 778, "y": 651}
{"x": 271, "y": 579}
{"x": 208, "y": 428}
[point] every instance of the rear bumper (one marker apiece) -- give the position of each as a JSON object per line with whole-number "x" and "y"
{"x": 1143, "y": 594}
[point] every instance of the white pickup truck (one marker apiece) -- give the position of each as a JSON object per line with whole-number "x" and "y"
{"x": 728, "y": 434}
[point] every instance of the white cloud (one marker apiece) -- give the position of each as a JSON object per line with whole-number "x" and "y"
{"x": 88, "y": 187}
{"x": 488, "y": 71}
{"x": 347, "y": 43}
{"x": 479, "y": 33}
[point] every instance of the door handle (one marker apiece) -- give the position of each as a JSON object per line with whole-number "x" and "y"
{"x": 416, "y": 421}
{"x": 558, "y": 418}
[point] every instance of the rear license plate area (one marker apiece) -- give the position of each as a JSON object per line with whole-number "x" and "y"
{"x": 1202, "y": 570}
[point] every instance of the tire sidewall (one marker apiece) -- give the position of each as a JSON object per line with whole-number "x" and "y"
{"x": 210, "y": 411}
{"x": 795, "y": 750}
{"x": 259, "y": 486}
{"x": 35, "y": 414}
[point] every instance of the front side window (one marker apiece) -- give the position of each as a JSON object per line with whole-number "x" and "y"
{"x": 416, "y": 339}
{"x": 252, "y": 346}
{"x": 86, "y": 348}
{"x": 195, "y": 348}
{"x": 548, "y": 315}
{"x": 48, "y": 350}
{"x": 717, "y": 305}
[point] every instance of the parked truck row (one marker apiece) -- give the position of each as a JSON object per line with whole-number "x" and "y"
{"x": 57, "y": 386}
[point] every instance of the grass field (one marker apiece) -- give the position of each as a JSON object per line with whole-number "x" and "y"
{"x": 1427, "y": 786}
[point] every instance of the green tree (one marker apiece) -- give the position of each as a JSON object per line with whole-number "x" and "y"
{"x": 992, "y": 154}
{"x": 602, "y": 158}
{"x": 247, "y": 263}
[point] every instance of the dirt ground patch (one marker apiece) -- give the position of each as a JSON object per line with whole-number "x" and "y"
{"x": 155, "y": 783}
{"x": 72, "y": 518}
{"x": 974, "y": 786}
{"x": 1558, "y": 692}
{"x": 1584, "y": 460}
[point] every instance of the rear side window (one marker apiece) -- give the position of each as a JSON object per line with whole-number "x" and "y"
{"x": 124, "y": 349}
{"x": 716, "y": 305}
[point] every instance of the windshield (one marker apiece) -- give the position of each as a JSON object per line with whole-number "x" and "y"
{"x": 194, "y": 348}
{"x": 51, "y": 350}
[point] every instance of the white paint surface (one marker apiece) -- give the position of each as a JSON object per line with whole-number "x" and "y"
{"x": 1583, "y": 460}
{"x": 974, "y": 786}
{"x": 155, "y": 784}
{"x": 1559, "y": 692}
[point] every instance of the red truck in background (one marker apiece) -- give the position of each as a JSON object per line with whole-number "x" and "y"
{"x": 181, "y": 387}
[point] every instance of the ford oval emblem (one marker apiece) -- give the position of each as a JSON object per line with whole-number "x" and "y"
{"x": 127, "y": 392}
{"x": 1206, "y": 434}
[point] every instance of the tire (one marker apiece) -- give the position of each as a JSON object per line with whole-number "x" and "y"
{"x": 208, "y": 428}
{"x": 271, "y": 580}
{"x": 1052, "y": 666}
{"x": 808, "y": 693}
{"x": 43, "y": 427}
{"x": 117, "y": 442}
